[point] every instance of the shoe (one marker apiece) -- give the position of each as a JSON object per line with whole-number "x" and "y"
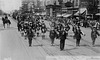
{"x": 29, "y": 45}
{"x": 61, "y": 49}
{"x": 52, "y": 45}
{"x": 93, "y": 45}
{"x": 41, "y": 44}
{"x": 79, "y": 45}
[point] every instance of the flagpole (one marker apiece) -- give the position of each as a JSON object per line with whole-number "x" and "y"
{"x": 79, "y": 10}
{"x": 73, "y": 9}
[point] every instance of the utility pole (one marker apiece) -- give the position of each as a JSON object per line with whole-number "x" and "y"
{"x": 55, "y": 8}
{"x": 60, "y": 2}
{"x": 79, "y": 10}
{"x": 73, "y": 8}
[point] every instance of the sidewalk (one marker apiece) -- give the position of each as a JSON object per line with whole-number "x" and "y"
{"x": 1, "y": 24}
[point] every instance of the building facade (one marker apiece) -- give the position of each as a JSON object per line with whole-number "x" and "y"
{"x": 76, "y": 2}
{"x": 99, "y": 6}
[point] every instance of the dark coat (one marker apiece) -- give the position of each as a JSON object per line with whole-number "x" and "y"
{"x": 30, "y": 34}
{"x": 63, "y": 35}
{"x": 94, "y": 34}
{"x": 43, "y": 28}
{"x": 74, "y": 29}
{"x": 52, "y": 34}
{"x": 9, "y": 21}
{"x": 78, "y": 34}
{"x": 18, "y": 24}
{"x": 3, "y": 19}
{"x": 67, "y": 28}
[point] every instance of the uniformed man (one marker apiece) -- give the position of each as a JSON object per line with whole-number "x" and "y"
{"x": 37, "y": 29}
{"x": 30, "y": 36}
{"x": 3, "y": 20}
{"x": 94, "y": 34}
{"x": 74, "y": 28}
{"x": 19, "y": 26}
{"x": 52, "y": 35}
{"x": 67, "y": 28}
{"x": 62, "y": 38}
{"x": 57, "y": 29}
{"x": 78, "y": 34}
{"x": 43, "y": 30}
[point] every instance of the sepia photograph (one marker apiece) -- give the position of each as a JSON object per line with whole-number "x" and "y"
{"x": 49, "y": 29}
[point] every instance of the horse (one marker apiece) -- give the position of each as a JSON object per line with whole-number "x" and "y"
{"x": 6, "y": 21}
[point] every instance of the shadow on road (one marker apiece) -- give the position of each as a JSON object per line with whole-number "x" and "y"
{"x": 37, "y": 45}
{"x": 1, "y": 25}
{"x": 85, "y": 45}
{"x": 70, "y": 49}
{"x": 56, "y": 45}
{"x": 9, "y": 28}
{"x": 97, "y": 46}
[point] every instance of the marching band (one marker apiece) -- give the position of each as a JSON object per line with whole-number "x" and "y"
{"x": 37, "y": 27}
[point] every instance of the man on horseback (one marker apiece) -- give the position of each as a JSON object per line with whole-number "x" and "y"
{"x": 6, "y": 21}
{"x": 3, "y": 19}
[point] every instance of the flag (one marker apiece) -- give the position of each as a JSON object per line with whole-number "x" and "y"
{"x": 83, "y": 14}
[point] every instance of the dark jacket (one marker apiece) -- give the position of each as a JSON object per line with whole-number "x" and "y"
{"x": 52, "y": 34}
{"x": 63, "y": 35}
{"x": 94, "y": 34}
{"x": 67, "y": 28}
{"x": 3, "y": 19}
{"x": 30, "y": 34}
{"x": 8, "y": 21}
{"x": 78, "y": 34}
{"x": 74, "y": 29}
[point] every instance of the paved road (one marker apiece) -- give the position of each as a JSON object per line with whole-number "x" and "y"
{"x": 14, "y": 46}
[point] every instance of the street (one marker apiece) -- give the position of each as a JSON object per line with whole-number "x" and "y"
{"x": 15, "y": 47}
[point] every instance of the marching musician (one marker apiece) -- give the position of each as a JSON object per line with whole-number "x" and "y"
{"x": 30, "y": 35}
{"x": 78, "y": 34}
{"x": 62, "y": 38}
{"x": 67, "y": 28}
{"x": 43, "y": 29}
{"x": 52, "y": 35}
{"x": 94, "y": 34}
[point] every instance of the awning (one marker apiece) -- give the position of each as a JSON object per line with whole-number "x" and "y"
{"x": 82, "y": 10}
{"x": 98, "y": 14}
{"x": 67, "y": 15}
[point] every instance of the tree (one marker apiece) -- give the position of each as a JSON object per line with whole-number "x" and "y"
{"x": 1, "y": 12}
{"x": 60, "y": 1}
{"x": 68, "y": 4}
{"x": 92, "y": 6}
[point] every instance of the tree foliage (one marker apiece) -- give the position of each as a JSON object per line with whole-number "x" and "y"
{"x": 60, "y": 1}
{"x": 92, "y": 6}
{"x": 68, "y": 4}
